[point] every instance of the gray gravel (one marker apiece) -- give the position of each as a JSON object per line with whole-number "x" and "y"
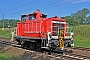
{"x": 33, "y": 56}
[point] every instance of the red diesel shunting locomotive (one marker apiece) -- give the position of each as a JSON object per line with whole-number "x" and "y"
{"x": 35, "y": 31}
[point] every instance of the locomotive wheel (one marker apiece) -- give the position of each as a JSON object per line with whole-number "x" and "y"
{"x": 31, "y": 45}
{"x": 24, "y": 44}
{"x": 38, "y": 45}
{"x": 69, "y": 45}
{"x": 50, "y": 51}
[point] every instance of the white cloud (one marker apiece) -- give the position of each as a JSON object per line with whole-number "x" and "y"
{"x": 79, "y": 1}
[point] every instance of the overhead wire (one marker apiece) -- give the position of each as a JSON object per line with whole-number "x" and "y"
{"x": 39, "y": 7}
{"x": 20, "y": 6}
{"x": 43, "y": 6}
{"x": 59, "y": 4}
{"x": 11, "y": 5}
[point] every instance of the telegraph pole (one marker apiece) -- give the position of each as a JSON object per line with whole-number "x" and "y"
{"x": 3, "y": 21}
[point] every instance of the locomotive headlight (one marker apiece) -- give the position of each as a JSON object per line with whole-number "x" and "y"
{"x": 72, "y": 33}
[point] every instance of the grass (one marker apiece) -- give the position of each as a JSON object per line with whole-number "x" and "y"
{"x": 82, "y": 36}
{"x": 6, "y": 33}
{"x": 6, "y": 56}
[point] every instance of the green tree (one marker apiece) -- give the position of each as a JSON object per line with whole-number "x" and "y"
{"x": 88, "y": 20}
{"x": 70, "y": 20}
{"x": 81, "y": 15}
{"x": 7, "y": 22}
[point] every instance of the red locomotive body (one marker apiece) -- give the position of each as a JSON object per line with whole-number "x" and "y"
{"x": 38, "y": 28}
{"x": 35, "y": 27}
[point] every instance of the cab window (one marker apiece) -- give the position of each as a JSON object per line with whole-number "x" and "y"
{"x": 32, "y": 17}
{"x": 23, "y": 18}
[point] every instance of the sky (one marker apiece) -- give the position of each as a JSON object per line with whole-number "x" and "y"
{"x": 13, "y": 9}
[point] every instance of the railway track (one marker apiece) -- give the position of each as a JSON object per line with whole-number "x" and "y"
{"x": 6, "y": 43}
{"x": 53, "y": 55}
{"x": 68, "y": 56}
{"x": 80, "y": 48}
{"x": 76, "y": 56}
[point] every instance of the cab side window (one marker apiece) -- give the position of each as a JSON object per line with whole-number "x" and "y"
{"x": 32, "y": 17}
{"x": 24, "y": 19}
